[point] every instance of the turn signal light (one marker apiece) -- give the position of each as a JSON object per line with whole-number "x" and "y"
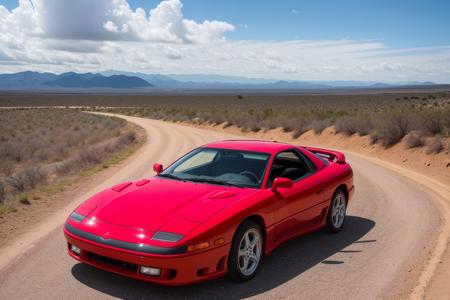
{"x": 197, "y": 247}
{"x": 219, "y": 242}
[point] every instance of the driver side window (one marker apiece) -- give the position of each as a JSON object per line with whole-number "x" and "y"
{"x": 290, "y": 164}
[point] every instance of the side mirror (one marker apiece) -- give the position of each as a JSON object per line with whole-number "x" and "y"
{"x": 281, "y": 182}
{"x": 158, "y": 168}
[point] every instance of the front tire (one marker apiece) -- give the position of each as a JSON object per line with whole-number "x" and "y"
{"x": 337, "y": 212}
{"x": 246, "y": 252}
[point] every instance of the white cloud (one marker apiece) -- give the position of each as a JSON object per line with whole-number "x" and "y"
{"x": 88, "y": 35}
{"x": 111, "y": 27}
{"x": 102, "y": 20}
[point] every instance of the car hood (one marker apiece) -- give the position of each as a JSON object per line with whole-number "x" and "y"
{"x": 164, "y": 204}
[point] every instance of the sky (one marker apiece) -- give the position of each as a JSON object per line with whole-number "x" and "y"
{"x": 388, "y": 41}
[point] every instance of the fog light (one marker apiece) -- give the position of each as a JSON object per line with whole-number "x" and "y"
{"x": 150, "y": 271}
{"x": 75, "y": 249}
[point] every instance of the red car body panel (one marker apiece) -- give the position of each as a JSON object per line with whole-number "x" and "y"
{"x": 131, "y": 213}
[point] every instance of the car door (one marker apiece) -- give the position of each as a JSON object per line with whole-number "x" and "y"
{"x": 295, "y": 213}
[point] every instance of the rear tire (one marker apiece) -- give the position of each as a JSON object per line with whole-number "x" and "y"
{"x": 337, "y": 212}
{"x": 246, "y": 252}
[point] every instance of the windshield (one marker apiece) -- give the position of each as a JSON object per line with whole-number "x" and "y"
{"x": 220, "y": 166}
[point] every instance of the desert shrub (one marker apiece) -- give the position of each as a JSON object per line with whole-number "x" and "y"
{"x": 33, "y": 176}
{"x": 374, "y": 137}
{"x": 254, "y": 127}
{"x": 432, "y": 122}
{"x": 41, "y": 155}
{"x": 89, "y": 156}
{"x": 6, "y": 167}
{"x": 127, "y": 138}
{"x": 12, "y": 151}
{"x": 270, "y": 123}
{"x": 16, "y": 183}
{"x": 65, "y": 167}
{"x": 301, "y": 126}
{"x": 392, "y": 129}
{"x": 23, "y": 199}
{"x": 318, "y": 126}
{"x": 435, "y": 145}
{"x": 27, "y": 178}
{"x": 414, "y": 140}
{"x": 350, "y": 125}
{"x": 250, "y": 126}
{"x": 298, "y": 132}
{"x": 2, "y": 192}
{"x": 287, "y": 125}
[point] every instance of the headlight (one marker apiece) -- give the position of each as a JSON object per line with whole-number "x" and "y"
{"x": 167, "y": 237}
{"x": 77, "y": 217}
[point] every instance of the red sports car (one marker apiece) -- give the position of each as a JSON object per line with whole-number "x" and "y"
{"x": 217, "y": 210}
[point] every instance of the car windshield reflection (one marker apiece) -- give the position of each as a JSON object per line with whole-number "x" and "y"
{"x": 221, "y": 167}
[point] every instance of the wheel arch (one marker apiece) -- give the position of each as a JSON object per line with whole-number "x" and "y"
{"x": 259, "y": 220}
{"x": 342, "y": 187}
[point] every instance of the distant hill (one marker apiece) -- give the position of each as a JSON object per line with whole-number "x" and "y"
{"x": 212, "y": 78}
{"x": 380, "y": 85}
{"x": 90, "y": 80}
{"x": 154, "y": 79}
{"x": 24, "y": 80}
{"x": 122, "y": 80}
{"x": 70, "y": 80}
{"x": 283, "y": 84}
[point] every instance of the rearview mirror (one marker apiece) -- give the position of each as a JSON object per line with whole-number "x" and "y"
{"x": 281, "y": 182}
{"x": 158, "y": 168}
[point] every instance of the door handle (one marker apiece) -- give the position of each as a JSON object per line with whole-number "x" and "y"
{"x": 319, "y": 191}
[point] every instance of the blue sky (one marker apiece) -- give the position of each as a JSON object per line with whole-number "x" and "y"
{"x": 412, "y": 23}
{"x": 317, "y": 40}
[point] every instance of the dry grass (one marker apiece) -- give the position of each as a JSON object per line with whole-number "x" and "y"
{"x": 387, "y": 118}
{"x": 414, "y": 140}
{"x": 40, "y": 146}
{"x": 435, "y": 145}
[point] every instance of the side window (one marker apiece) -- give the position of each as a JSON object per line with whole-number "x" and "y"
{"x": 290, "y": 164}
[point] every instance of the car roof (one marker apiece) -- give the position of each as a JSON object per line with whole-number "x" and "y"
{"x": 271, "y": 147}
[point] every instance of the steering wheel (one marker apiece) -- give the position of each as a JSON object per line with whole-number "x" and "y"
{"x": 250, "y": 175}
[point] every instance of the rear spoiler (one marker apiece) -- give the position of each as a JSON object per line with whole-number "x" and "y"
{"x": 332, "y": 156}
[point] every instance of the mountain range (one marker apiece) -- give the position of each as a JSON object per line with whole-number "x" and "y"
{"x": 128, "y": 81}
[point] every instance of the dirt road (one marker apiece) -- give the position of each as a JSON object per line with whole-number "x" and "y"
{"x": 388, "y": 236}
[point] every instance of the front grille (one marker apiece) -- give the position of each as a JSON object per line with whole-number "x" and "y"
{"x": 112, "y": 262}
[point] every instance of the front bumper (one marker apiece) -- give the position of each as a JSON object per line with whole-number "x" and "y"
{"x": 176, "y": 269}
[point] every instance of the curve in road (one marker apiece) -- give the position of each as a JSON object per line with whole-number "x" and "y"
{"x": 380, "y": 252}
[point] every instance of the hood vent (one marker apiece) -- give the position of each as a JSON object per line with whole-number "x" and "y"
{"x": 221, "y": 194}
{"x": 121, "y": 187}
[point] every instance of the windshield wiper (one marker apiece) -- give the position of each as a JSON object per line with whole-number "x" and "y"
{"x": 171, "y": 177}
{"x": 214, "y": 181}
